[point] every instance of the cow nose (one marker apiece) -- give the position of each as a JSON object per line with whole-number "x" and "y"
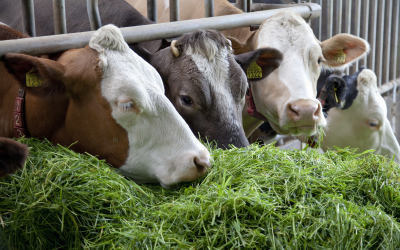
{"x": 305, "y": 112}
{"x": 202, "y": 162}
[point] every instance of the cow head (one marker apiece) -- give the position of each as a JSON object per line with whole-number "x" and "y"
{"x": 206, "y": 84}
{"x": 287, "y": 97}
{"x": 115, "y": 108}
{"x": 361, "y": 122}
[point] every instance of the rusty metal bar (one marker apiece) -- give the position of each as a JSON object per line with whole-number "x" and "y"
{"x": 60, "y": 24}
{"x": 173, "y": 10}
{"x": 28, "y": 18}
{"x": 152, "y": 10}
{"x": 58, "y": 43}
{"x": 93, "y": 13}
{"x": 209, "y": 5}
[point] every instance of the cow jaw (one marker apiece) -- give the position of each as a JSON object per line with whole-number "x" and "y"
{"x": 162, "y": 149}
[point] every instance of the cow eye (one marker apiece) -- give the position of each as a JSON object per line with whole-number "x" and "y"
{"x": 186, "y": 100}
{"x": 373, "y": 124}
{"x": 319, "y": 60}
{"x": 125, "y": 106}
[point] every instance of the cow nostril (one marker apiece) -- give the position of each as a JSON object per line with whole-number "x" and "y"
{"x": 201, "y": 165}
{"x": 293, "y": 111}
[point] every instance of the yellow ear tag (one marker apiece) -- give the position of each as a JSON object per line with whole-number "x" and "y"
{"x": 336, "y": 96}
{"x": 340, "y": 57}
{"x": 33, "y": 80}
{"x": 254, "y": 71}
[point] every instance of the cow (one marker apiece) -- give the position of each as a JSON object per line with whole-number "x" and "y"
{"x": 12, "y": 156}
{"x": 206, "y": 83}
{"x": 104, "y": 100}
{"x": 286, "y": 98}
{"x": 208, "y": 94}
{"x": 359, "y": 118}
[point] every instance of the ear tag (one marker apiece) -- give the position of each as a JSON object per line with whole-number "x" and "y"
{"x": 33, "y": 80}
{"x": 254, "y": 71}
{"x": 336, "y": 96}
{"x": 340, "y": 57}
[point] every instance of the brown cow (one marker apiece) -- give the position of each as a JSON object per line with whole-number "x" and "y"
{"x": 108, "y": 100}
{"x": 287, "y": 97}
{"x": 12, "y": 156}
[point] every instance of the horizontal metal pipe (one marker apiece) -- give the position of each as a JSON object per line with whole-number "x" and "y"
{"x": 28, "y": 17}
{"x": 60, "y": 24}
{"x": 388, "y": 86}
{"x": 136, "y": 34}
{"x": 93, "y": 13}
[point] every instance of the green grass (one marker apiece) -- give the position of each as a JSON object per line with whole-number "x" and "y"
{"x": 255, "y": 198}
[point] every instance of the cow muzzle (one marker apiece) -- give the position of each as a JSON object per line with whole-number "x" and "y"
{"x": 304, "y": 116}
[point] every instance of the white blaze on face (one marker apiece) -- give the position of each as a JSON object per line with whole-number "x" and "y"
{"x": 364, "y": 124}
{"x": 162, "y": 148}
{"x": 214, "y": 65}
{"x": 296, "y": 78}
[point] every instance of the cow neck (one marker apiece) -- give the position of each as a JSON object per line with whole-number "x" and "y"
{"x": 251, "y": 106}
{"x": 19, "y": 114}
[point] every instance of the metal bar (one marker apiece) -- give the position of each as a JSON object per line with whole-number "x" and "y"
{"x": 93, "y": 13}
{"x": 379, "y": 46}
{"x": 365, "y": 27}
{"x": 152, "y": 10}
{"x": 28, "y": 18}
{"x": 384, "y": 88}
{"x": 372, "y": 37}
{"x": 242, "y": 5}
{"x": 395, "y": 39}
{"x": 348, "y": 24}
{"x": 209, "y": 8}
{"x": 173, "y": 10}
{"x": 248, "y": 5}
{"x": 329, "y": 4}
{"x": 59, "y": 43}
{"x": 339, "y": 16}
{"x": 387, "y": 41}
{"x": 357, "y": 17}
{"x": 319, "y": 22}
{"x": 60, "y": 24}
{"x": 393, "y": 109}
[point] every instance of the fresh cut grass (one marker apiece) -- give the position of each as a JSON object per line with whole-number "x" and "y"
{"x": 252, "y": 198}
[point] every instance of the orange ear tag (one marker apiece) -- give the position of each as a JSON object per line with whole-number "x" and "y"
{"x": 33, "y": 80}
{"x": 340, "y": 57}
{"x": 254, "y": 71}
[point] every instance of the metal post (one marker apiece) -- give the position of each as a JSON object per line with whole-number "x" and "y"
{"x": 387, "y": 41}
{"x": 329, "y": 4}
{"x": 93, "y": 13}
{"x": 173, "y": 10}
{"x": 339, "y": 16}
{"x": 209, "y": 4}
{"x": 348, "y": 24}
{"x": 357, "y": 17}
{"x": 379, "y": 47}
{"x": 393, "y": 110}
{"x": 60, "y": 24}
{"x": 319, "y": 22}
{"x": 152, "y": 10}
{"x": 365, "y": 27}
{"x": 395, "y": 39}
{"x": 372, "y": 37}
{"x": 249, "y": 5}
{"x": 28, "y": 18}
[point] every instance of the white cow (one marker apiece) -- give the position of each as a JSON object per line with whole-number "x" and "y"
{"x": 362, "y": 124}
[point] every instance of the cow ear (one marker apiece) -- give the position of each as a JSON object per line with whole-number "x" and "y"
{"x": 142, "y": 52}
{"x": 38, "y": 76}
{"x": 259, "y": 63}
{"x": 343, "y": 49}
{"x": 237, "y": 46}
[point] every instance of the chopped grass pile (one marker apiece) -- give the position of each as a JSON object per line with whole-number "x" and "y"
{"x": 253, "y": 198}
